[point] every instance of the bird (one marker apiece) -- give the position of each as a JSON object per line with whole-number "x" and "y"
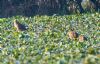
{"x": 19, "y": 26}
{"x": 81, "y": 38}
{"x": 72, "y": 35}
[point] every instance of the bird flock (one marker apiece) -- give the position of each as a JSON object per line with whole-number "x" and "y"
{"x": 71, "y": 34}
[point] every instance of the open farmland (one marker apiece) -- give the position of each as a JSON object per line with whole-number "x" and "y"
{"x": 46, "y": 40}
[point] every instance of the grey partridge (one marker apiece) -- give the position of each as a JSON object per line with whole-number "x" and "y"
{"x": 19, "y": 26}
{"x": 81, "y": 38}
{"x": 72, "y": 35}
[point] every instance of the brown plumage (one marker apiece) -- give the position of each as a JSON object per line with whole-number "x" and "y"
{"x": 72, "y": 34}
{"x": 18, "y": 26}
{"x": 81, "y": 38}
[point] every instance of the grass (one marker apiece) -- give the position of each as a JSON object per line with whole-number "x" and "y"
{"x": 46, "y": 40}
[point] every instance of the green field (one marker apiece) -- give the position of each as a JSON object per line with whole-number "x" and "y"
{"x": 46, "y": 40}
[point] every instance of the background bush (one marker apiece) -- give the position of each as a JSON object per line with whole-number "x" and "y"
{"x": 49, "y": 7}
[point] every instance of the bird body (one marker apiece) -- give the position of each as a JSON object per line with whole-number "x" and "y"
{"x": 75, "y": 36}
{"x": 72, "y": 34}
{"x": 81, "y": 38}
{"x": 18, "y": 26}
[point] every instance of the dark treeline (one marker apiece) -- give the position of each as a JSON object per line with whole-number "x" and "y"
{"x": 46, "y": 7}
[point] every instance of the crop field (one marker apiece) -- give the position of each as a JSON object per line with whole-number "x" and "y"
{"x": 46, "y": 40}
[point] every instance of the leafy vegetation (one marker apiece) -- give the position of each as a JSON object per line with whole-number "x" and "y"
{"x": 46, "y": 40}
